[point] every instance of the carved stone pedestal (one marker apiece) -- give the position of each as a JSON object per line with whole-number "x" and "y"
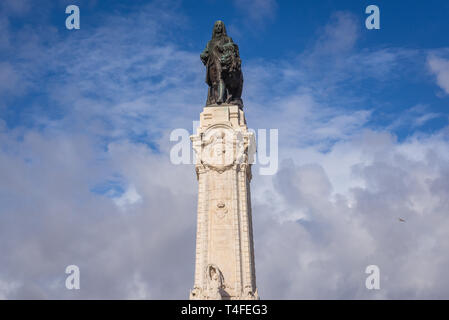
{"x": 224, "y": 149}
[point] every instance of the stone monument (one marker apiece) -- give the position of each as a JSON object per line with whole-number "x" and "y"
{"x": 224, "y": 150}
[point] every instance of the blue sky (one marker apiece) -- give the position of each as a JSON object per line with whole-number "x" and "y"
{"x": 85, "y": 120}
{"x": 272, "y": 32}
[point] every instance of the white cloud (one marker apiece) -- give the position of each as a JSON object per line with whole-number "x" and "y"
{"x": 257, "y": 10}
{"x": 129, "y": 197}
{"x": 334, "y": 212}
{"x": 440, "y": 68}
{"x": 416, "y": 116}
{"x": 15, "y": 7}
{"x": 9, "y": 79}
{"x": 6, "y": 288}
{"x": 339, "y": 35}
{"x": 342, "y": 228}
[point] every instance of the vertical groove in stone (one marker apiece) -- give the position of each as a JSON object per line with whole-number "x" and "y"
{"x": 236, "y": 219}
{"x": 246, "y": 231}
{"x": 250, "y": 231}
{"x": 199, "y": 231}
{"x": 205, "y": 213}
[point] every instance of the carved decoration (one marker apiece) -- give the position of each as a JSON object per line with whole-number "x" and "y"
{"x": 221, "y": 210}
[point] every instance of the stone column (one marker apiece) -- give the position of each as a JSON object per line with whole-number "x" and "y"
{"x": 224, "y": 149}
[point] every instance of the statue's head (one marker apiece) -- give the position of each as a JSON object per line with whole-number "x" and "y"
{"x": 219, "y": 29}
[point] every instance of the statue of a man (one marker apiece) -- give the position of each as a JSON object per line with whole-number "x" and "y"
{"x": 224, "y": 75}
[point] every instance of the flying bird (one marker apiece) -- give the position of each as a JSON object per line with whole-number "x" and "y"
{"x": 401, "y": 220}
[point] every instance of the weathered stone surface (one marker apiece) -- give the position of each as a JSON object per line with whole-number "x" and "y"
{"x": 224, "y": 150}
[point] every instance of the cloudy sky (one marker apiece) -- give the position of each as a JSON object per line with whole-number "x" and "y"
{"x": 85, "y": 172}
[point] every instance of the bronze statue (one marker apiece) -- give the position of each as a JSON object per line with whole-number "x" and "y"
{"x": 224, "y": 74}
